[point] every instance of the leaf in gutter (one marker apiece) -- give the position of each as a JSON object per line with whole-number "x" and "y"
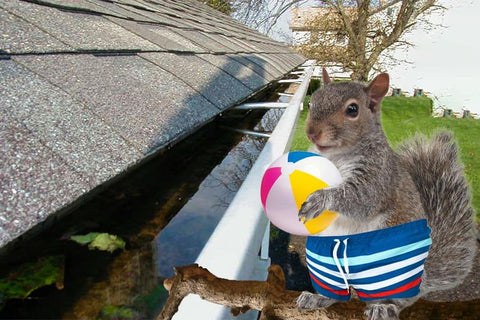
{"x": 100, "y": 241}
{"x": 85, "y": 239}
{"x": 107, "y": 242}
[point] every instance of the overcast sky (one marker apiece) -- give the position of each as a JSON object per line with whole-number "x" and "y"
{"x": 445, "y": 60}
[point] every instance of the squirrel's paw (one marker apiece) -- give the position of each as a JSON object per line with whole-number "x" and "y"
{"x": 312, "y": 301}
{"x": 311, "y": 207}
{"x": 382, "y": 312}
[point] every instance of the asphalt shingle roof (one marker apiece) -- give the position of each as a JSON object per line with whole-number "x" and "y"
{"x": 89, "y": 88}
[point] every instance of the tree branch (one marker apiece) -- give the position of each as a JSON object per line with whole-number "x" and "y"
{"x": 270, "y": 297}
{"x": 277, "y": 303}
{"x": 338, "y": 7}
{"x": 384, "y": 7}
{"x": 280, "y": 11}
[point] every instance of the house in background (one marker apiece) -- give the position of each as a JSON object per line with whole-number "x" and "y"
{"x": 90, "y": 89}
{"x": 304, "y": 32}
{"x": 301, "y": 19}
{"x": 313, "y": 25}
{"x": 301, "y": 24}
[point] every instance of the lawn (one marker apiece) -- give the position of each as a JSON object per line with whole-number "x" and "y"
{"x": 402, "y": 117}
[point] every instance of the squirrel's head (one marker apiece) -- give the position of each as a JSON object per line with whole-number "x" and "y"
{"x": 341, "y": 114}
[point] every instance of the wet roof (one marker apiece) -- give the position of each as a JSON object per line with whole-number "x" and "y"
{"x": 89, "y": 88}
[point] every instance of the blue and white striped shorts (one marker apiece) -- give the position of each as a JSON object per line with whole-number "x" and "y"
{"x": 381, "y": 264}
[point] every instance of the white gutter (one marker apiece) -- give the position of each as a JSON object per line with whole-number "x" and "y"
{"x": 261, "y": 105}
{"x": 233, "y": 249}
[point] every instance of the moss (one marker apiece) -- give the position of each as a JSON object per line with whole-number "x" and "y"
{"x": 117, "y": 312}
{"x": 28, "y": 277}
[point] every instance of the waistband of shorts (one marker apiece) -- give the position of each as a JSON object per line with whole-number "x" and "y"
{"x": 417, "y": 227}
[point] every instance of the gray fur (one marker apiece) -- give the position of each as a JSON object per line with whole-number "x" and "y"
{"x": 383, "y": 188}
{"x": 438, "y": 176}
{"x": 311, "y": 301}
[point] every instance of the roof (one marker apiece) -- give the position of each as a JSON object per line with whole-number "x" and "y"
{"x": 90, "y": 88}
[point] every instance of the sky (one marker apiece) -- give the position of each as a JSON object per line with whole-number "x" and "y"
{"x": 444, "y": 61}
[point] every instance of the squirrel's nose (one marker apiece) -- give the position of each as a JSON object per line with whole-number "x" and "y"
{"x": 313, "y": 133}
{"x": 313, "y": 136}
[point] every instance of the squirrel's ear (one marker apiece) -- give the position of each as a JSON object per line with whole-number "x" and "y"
{"x": 325, "y": 77}
{"x": 377, "y": 89}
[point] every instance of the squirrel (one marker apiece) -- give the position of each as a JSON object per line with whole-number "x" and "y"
{"x": 382, "y": 188}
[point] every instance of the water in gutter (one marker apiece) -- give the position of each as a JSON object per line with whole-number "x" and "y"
{"x": 164, "y": 213}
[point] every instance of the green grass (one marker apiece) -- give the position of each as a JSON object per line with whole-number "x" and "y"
{"x": 402, "y": 117}
{"x": 300, "y": 141}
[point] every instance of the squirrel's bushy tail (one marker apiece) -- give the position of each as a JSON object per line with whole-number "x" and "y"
{"x": 438, "y": 175}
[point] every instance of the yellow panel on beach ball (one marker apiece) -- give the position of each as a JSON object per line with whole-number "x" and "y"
{"x": 303, "y": 184}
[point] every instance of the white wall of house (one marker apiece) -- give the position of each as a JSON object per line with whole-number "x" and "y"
{"x": 300, "y": 37}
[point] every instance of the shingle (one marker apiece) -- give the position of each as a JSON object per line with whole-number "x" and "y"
{"x": 34, "y": 181}
{"x": 120, "y": 11}
{"x": 161, "y": 14}
{"x": 279, "y": 63}
{"x": 229, "y": 42}
{"x": 148, "y": 106}
{"x": 248, "y": 46}
{"x": 292, "y": 59}
{"x": 204, "y": 40}
{"x": 257, "y": 65}
{"x": 65, "y": 126}
{"x": 209, "y": 19}
{"x": 174, "y": 6}
{"x": 80, "y": 6}
{"x": 209, "y": 81}
{"x": 162, "y": 36}
{"x": 246, "y": 75}
{"x": 152, "y": 7}
{"x": 19, "y": 36}
{"x": 144, "y": 15}
{"x": 80, "y": 31}
{"x": 269, "y": 64}
{"x": 263, "y": 47}
{"x": 202, "y": 22}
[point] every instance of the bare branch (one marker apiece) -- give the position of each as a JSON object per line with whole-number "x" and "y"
{"x": 384, "y": 7}
{"x": 261, "y": 15}
{"x": 369, "y": 31}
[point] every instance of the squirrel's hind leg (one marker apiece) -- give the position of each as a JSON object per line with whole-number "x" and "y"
{"x": 387, "y": 309}
{"x": 312, "y": 301}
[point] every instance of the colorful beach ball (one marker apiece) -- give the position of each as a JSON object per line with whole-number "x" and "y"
{"x": 288, "y": 182}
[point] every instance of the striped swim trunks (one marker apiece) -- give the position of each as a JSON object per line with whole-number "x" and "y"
{"x": 381, "y": 264}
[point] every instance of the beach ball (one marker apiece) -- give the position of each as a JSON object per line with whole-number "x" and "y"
{"x": 287, "y": 183}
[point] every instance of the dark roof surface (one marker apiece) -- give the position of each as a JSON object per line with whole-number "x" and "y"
{"x": 89, "y": 88}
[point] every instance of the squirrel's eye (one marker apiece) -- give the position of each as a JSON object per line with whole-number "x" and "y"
{"x": 352, "y": 110}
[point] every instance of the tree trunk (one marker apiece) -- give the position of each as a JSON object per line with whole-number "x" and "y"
{"x": 360, "y": 74}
